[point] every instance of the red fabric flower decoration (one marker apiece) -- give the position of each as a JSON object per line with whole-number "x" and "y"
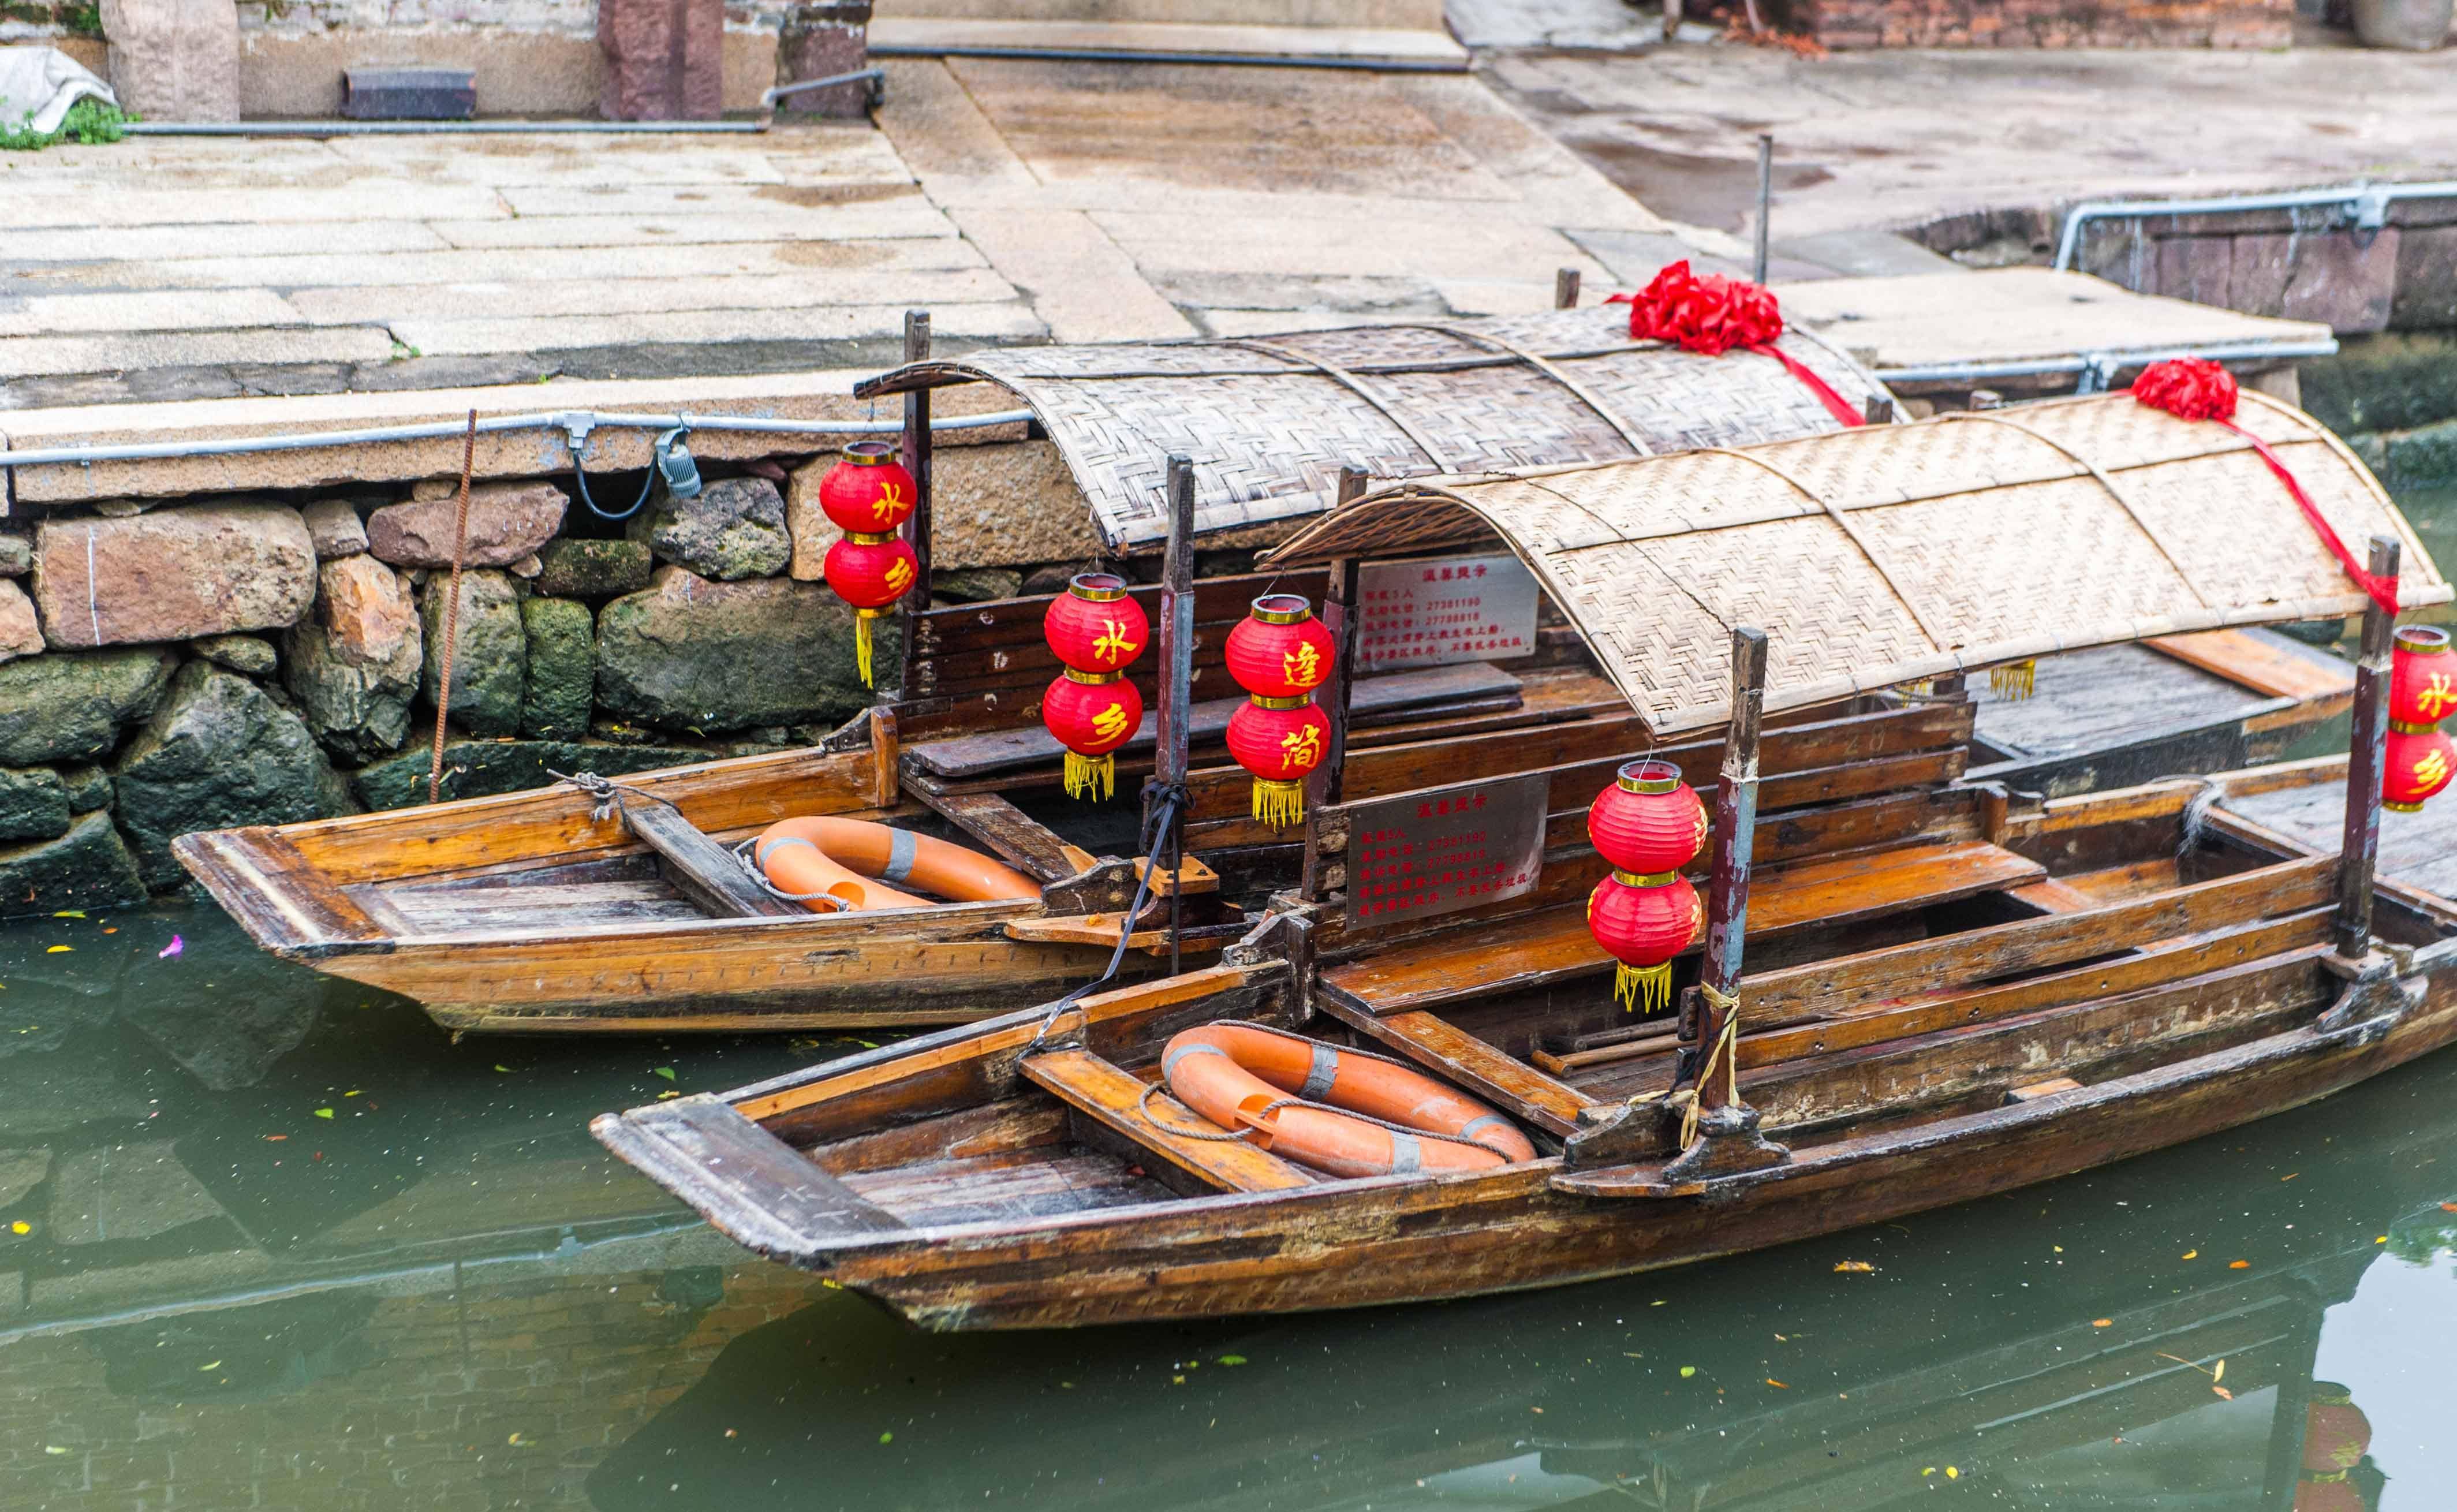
{"x": 1710, "y": 314}
{"x": 2189, "y": 387}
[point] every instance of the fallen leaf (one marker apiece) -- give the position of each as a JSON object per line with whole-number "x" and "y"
{"x": 214, "y": 1365}
{"x": 323, "y": 1112}
{"x": 53, "y": 1448}
{"x": 665, "y": 1072}
{"x": 2102, "y": 1322}
{"x": 662, "y": 1096}
{"x": 1230, "y": 1360}
{"x": 21, "y": 1226}
{"x": 59, "y": 950}
{"x": 1687, "y": 1371}
{"x": 2238, "y": 1265}
{"x": 506, "y": 1069}
{"x": 887, "y": 1438}
{"x": 2190, "y": 1253}
{"x": 2290, "y": 1176}
{"x": 173, "y": 949}
{"x": 2448, "y": 1206}
{"x": 352, "y": 1092}
{"x": 1952, "y": 1473}
{"x": 69, "y": 913}
{"x": 275, "y": 1139}
{"x": 2223, "y": 1391}
{"x": 1929, "y": 1471}
{"x": 1853, "y": 1268}
{"x": 2219, "y": 1374}
{"x": 1778, "y": 1385}
{"x": 514, "y": 1439}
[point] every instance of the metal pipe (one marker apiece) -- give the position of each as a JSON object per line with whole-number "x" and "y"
{"x": 436, "y": 128}
{"x": 575, "y": 423}
{"x": 2101, "y": 363}
{"x": 878, "y": 87}
{"x": 1266, "y": 60}
{"x": 2370, "y": 202}
{"x": 1766, "y": 199}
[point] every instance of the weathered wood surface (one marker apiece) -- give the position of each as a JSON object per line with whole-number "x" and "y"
{"x": 700, "y": 869}
{"x": 284, "y": 902}
{"x": 1021, "y": 840}
{"x": 997, "y": 751}
{"x": 1512, "y": 1086}
{"x": 2266, "y": 662}
{"x": 1396, "y": 1239}
{"x": 745, "y": 1180}
{"x": 2416, "y": 850}
{"x": 1101, "y": 1091}
{"x": 1555, "y": 944}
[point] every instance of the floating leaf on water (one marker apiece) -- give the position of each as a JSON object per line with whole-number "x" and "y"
{"x": 1230, "y": 1360}
{"x": 665, "y": 1072}
{"x": 887, "y": 1438}
{"x": 514, "y": 1439}
{"x": 53, "y": 1448}
{"x": 2290, "y": 1176}
{"x": 1687, "y": 1371}
{"x": 170, "y": 950}
{"x": 2238, "y": 1265}
{"x": 1853, "y": 1268}
{"x": 323, "y": 1112}
{"x": 1929, "y": 1471}
{"x": 506, "y": 1069}
{"x": 2448, "y": 1206}
{"x": 2102, "y": 1322}
{"x": 352, "y": 1092}
{"x": 211, "y": 1365}
{"x": 662, "y": 1096}
{"x": 21, "y": 1226}
{"x": 59, "y": 950}
{"x": 1778, "y": 1385}
{"x": 275, "y": 1139}
{"x": 1951, "y": 1473}
{"x": 2188, "y": 1254}
{"x": 2223, "y": 1391}
{"x": 2219, "y": 1374}
{"x": 69, "y": 913}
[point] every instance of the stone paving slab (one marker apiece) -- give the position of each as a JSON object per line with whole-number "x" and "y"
{"x": 899, "y": 289}
{"x": 911, "y": 216}
{"x": 176, "y": 243}
{"x": 1005, "y": 321}
{"x": 67, "y": 313}
{"x": 34, "y": 355}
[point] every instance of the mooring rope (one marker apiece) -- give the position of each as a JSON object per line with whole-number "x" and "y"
{"x": 1157, "y": 825}
{"x": 452, "y": 610}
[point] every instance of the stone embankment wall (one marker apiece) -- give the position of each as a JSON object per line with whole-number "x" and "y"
{"x": 191, "y": 664}
{"x": 2041, "y": 23}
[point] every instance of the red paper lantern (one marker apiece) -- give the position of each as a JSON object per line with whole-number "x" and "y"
{"x": 2422, "y": 677}
{"x": 1092, "y": 714}
{"x": 1280, "y": 741}
{"x": 2336, "y": 1432}
{"x": 1094, "y": 626}
{"x": 1280, "y": 651}
{"x": 2329, "y": 1494}
{"x": 1648, "y": 819}
{"x": 868, "y": 490}
{"x": 1644, "y": 920}
{"x": 2420, "y": 760}
{"x": 871, "y": 573}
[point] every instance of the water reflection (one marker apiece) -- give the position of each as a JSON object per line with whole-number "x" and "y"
{"x": 444, "y": 1294}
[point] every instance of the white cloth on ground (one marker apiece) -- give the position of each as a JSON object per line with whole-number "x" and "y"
{"x": 37, "y": 85}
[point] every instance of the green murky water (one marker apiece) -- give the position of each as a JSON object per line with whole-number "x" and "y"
{"x": 268, "y": 1240}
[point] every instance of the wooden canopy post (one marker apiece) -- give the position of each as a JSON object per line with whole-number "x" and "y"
{"x": 1339, "y": 616}
{"x": 1727, "y": 1128}
{"x": 1565, "y": 288}
{"x": 917, "y": 462}
{"x": 1176, "y": 685}
{"x": 2367, "y": 756}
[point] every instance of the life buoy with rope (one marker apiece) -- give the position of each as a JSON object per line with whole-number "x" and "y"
{"x": 1342, "y": 1112}
{"x": 830, "y": 865}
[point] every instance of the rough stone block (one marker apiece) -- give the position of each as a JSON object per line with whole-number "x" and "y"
{"x": 691, "y": 655}
{"x": 570, "y": 568}
{"x": 173, "y": 574}
{"x": 2321, "y": 276}
{"x": 34, "y": 804}
{"x": 218, "y": 753}
{"x": 2425, "y": 457}
{"x": 174, "y": 60}
{"x": 21, "y": 632}
{"x": 562, "y": 668}
{"x": 66, "y": 707}
{"x": 728, "y": 530}
{"x": 483, "y": 768}
{"x": 88, "y": 787}
{"x": 354, "y": 668}
{"x": 21, "y": 1172}
{"x": 665, "y": 60}
{"x": 2395, "y": 380}
{"x": 126, "y": 1192}
{"x": 507, "y": 521}
{"x": 978, "y": 585}
{"x": 1001, "y": 504}
{"x": 16, "y": 555}
{"x": 2427, "y": 282}
{"x": 334, "y": 525}
{"x": 88, "y": 867}
{"x": 820, "y": 41}
{"x": 251, "y": 655}
{"x": 491, "y": 656}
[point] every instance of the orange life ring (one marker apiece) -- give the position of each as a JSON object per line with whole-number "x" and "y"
{"x": 1231, "y": 1072}
{"x": 850, "y": 861}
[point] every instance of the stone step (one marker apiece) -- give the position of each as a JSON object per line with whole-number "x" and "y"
{"x": 888, "y": 260}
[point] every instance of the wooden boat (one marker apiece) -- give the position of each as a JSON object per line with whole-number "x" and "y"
{"x": 1932, "y": 991}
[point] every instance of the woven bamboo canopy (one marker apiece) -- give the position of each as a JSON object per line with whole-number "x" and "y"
{"x": 1889, "y": 554}
{"x": 1270, "y": 421}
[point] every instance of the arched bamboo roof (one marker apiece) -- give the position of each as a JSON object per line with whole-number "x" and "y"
{"x": 1268, "y": 421}
{"x": 1887, "y": 553}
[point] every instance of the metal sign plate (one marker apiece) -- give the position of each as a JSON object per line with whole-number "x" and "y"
{"x": 1414, "y": 857}
{"x": 1435, "y": 613}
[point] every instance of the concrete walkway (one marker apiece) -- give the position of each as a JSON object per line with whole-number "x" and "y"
{"x": 1015, "y": 200}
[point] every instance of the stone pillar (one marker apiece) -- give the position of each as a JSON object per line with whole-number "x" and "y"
{"x": 665, "y": 60}
{"x": 822, "y": 39}
{"x": 173, "y": 60}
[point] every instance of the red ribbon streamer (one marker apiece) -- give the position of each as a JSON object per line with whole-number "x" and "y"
{"x": 2383, "y": 590}
{"x": 2196, "y": 388}
{"x": 1835, "y": 403}
{"x": 1714, "y": 314}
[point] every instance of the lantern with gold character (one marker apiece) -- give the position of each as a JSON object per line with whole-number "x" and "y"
{"x": 1091, "y": 714}
{"x": 1644, "y": 920}
{"x": 1279, "y": 654}
{"x": 872, "y": 573}
{"x": 2420, "y": 760}
{"x": 868, "y": 490}
{"x": 1279, "y": 651}
{"x": 2422, "y": 677}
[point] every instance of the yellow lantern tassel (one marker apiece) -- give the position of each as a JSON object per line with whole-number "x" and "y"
{"x": 2014, "y": 681}
{"x": 1643, "y": 988}
{"x": 862, "y": 618}
{"x": 1093, "y": 777}
{"x": 1279, "y": 804}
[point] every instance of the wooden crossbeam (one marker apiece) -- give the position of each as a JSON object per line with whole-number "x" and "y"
{"x": 1115, "y": 1099}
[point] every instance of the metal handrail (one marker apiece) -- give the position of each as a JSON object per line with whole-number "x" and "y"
{"x": 2365, "y": 207}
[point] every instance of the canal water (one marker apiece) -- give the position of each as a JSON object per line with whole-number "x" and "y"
{"x": 269, "y": 1240}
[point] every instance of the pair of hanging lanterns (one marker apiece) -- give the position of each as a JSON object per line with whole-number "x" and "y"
{"x": 1279, "y": 654}
{"x": 1647, "y": 824}
{"x": 2422, "y": 693}
{"x": 868, "y": 495}
{"x": 1096, "y": 632}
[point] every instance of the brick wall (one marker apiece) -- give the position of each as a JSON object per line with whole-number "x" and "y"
{"x": 2042, "y": 23}
{"x": 415, "y": 1407}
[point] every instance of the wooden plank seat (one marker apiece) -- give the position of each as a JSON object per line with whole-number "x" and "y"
{"x": 1474, "y": 1065}
{"x": 1552, "y": 945}
{"x": 1114, "y": 1097}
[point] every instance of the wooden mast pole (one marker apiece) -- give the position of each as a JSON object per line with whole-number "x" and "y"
{"x": 917, "y": 462}
{"x": 1728, "y": 1139}
{"x": 1176, "y": 684}
{"x": 2366, "y": 755}
{"x": 1339, "y": 616}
